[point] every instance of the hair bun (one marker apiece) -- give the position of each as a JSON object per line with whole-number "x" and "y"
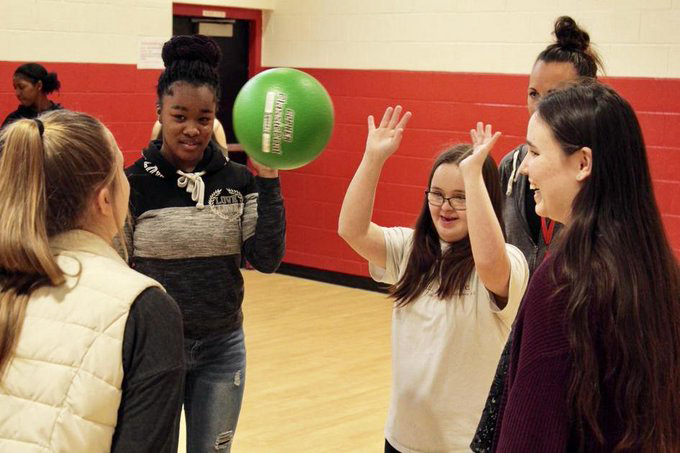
{"x": 569, "y": 36}
{"x": 51, "y": 82}
{"x": 191, "y": 48}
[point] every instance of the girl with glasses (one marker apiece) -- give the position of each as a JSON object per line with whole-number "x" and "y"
{"x": 456, "y": 286}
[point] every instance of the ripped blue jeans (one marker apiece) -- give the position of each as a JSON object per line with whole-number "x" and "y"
{"x": 213, "y": 391}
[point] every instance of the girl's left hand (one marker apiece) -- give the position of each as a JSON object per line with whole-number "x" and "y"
{"x": 482, "y": 143}
{"x": 263, "y": 171}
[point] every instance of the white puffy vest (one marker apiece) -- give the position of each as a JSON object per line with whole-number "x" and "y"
{"x": 62, "y": 389}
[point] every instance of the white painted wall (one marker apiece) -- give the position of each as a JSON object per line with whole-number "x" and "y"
{"x": 635, "y": 37}
{"x": 248, "y": 4}
{"x": 89, "y": 31}
{"x": 92, "y": 31}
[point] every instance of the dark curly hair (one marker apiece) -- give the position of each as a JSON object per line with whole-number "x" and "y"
{"x": 192, "y": 59}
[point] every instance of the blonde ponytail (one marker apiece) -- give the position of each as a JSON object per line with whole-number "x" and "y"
{"x": 49, "y": 169}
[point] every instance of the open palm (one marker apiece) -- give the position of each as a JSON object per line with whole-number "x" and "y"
{"x": 483, "y": 141}
{"x": 384, "y": 140}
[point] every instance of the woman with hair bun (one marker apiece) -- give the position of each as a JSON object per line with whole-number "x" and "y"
{"x": 90, "y": 350}
{"x": 570, "y": 57}
{"x": 195, "y": 214}
{"x": 32, "y": 83}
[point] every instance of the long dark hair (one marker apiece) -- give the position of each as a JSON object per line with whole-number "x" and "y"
{"x": 621, "y": 276}
{"x": 427, "y": 264}
{"x": 572, "y": 45}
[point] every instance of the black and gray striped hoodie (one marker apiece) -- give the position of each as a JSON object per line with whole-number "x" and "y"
{"x": 190, "y": 230}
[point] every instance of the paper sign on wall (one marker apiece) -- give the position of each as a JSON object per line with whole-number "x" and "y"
{"x": 150, "y": 53}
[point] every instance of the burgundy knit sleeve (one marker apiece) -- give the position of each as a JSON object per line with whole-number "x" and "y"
{"x": 535, "y": 417}
{"x": 535, "y": 414}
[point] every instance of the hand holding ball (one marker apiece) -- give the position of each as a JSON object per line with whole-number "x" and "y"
{"x": 283, "y": 118}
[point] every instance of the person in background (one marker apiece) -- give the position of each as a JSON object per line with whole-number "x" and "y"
{"x": 568, "y": 58}
{"x": 32, "y": 83}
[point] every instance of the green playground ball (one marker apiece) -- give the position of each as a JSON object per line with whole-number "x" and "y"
{"x": 283, "y": 118}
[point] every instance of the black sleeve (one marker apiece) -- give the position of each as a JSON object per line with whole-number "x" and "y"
{"x": 10, "y": 118}
{"x": 153, "y": 386}
{"x": 264, "y": 250}
{"x": 504, "y": 172}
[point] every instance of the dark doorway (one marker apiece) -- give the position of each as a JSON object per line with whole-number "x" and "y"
{"x": 233, "y": 67}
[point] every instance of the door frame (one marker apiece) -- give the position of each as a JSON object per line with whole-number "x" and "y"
{"x": 254, "y": 16}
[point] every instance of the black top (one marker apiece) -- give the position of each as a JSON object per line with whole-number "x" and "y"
{"x": 27, "y": 112}
{"x": 153, "y": 363}
{"x": 533, "y": 219}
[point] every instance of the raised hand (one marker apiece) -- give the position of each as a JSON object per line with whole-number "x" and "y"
{"x": 482, "y": 142}
{"x": 384, "y": 140}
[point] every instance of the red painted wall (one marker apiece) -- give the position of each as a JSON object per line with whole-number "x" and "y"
{"x": 445, "y": 106}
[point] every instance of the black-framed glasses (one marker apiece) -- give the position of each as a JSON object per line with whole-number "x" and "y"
{"x": 457, "y": 201}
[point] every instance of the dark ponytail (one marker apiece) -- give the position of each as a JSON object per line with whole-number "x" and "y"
{"x": 34, "y": 73}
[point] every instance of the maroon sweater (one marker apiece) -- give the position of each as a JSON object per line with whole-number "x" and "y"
{"x": 534, "y": 413}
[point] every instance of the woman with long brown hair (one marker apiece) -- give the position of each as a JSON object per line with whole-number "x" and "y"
{"x": 595, "y": 360}
{"x": 90, "y": 350}
{"x": 455, "y": 282}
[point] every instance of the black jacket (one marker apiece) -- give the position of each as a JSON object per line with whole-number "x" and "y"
{"x": 27, "y": 112}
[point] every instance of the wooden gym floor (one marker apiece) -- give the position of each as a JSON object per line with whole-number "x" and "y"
{"x": 318, "y": 373}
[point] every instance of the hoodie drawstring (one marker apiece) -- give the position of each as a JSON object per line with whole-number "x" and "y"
{"x": 194, "y": 185}
{"x": 513, "y": 175}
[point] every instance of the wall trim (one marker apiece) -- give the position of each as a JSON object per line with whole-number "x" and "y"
{"x": 336, "y": 278}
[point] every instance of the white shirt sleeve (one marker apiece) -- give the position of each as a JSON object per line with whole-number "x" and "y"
{"x": 398, "y": 242}
{"x": 519, "y": 278}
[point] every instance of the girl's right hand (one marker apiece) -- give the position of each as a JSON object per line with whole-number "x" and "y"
{"x": 384, "y": 140}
